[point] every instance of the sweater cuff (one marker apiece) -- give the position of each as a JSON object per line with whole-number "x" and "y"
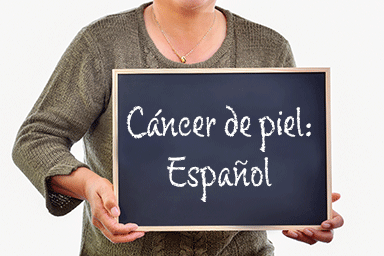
{"x": 56, "y": 203}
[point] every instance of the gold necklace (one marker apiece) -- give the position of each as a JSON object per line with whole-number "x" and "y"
{"x": 183, "y": 58}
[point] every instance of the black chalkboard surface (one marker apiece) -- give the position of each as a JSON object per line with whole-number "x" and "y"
{"x": 222, "y": 149}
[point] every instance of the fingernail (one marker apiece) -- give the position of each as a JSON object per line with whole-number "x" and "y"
{"x": 326, "y": 225}
{"x": 141, "y": 235}
{"x": 308, "y": 232}
{"x": 115, "y": 211}
{"x": 133, "y": 225}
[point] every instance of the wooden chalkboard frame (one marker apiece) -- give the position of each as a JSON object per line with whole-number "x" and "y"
{"x": 115, "y": 86}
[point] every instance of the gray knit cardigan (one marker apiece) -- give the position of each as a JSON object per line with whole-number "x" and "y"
{"x": 75, "y": 104}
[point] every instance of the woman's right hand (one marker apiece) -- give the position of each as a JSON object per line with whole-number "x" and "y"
{"x": 98, "y": 191}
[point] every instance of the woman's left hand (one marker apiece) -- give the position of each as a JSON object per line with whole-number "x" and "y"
{"x": 311, "y": 236}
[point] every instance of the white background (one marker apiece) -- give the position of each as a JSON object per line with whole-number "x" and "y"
{"x": 344, "y": 35}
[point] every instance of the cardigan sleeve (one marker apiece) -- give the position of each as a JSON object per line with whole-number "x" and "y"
{"x": 71, "y": 101}
{"x": 287, "y": 56}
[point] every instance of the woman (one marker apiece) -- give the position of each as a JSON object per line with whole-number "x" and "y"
{"x": 75, "y": 104}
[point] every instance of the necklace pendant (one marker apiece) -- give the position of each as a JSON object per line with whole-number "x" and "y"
{"x": 183, "y": 59}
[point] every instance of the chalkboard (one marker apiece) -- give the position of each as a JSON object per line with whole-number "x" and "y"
{"x": 222, "y": 149}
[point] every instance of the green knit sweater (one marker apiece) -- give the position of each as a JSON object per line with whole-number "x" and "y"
{"x": 75, "y": 104}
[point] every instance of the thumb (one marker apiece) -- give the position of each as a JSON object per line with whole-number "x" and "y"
{"x": 109, "y": 201}
{"x": 335, "y": 197}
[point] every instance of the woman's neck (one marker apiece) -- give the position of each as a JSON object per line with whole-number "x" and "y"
{"x": 186, "y": 27}
{"x": 184, "y": 20}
